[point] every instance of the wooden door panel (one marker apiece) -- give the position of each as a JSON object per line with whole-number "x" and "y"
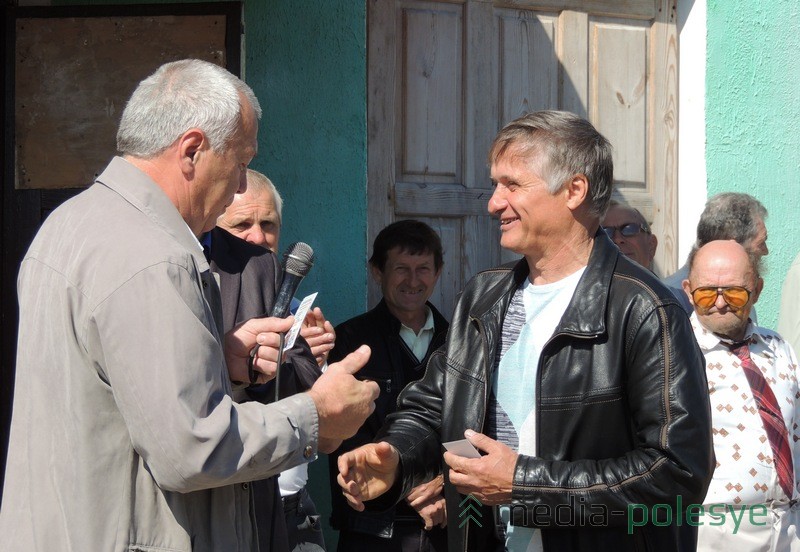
{"x": 618, "y": 94}
{"x": 430, "y": 121}
{"x": 451, "y": 231}
{"x": 528, "y": 63}
{"x": 444, "y": 76}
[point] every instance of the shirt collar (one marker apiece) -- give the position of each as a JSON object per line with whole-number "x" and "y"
{"x": 427, "y": 326}
{"x": 708, "y": 339}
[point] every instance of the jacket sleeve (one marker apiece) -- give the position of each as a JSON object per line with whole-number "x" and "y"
{"x": 166, "y": 370}
{"x": 414, "y": 430}
{"x": 667, "y": 393}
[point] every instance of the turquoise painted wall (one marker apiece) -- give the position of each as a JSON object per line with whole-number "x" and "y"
{"x": 753, "y": 122}
{"x": 306, "y": 62}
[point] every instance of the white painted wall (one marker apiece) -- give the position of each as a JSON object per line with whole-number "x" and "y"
{"x": 692, "y": 184}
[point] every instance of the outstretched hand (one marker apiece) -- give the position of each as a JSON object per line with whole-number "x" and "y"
{"x": 367, "y": 472}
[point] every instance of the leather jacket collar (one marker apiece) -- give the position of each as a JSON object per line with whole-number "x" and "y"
{"x": 585, "y": 314}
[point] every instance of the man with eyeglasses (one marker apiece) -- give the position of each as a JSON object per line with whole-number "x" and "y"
{"x": 629, "y": 231}
{"x": 752, "y": 502}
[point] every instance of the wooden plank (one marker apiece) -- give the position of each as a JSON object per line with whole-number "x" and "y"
{"x": 573, "y": 53}
{"x": 641, "y": 9}
{"x": 430, "y": 120}
{"x": 618, "y": 92}
{"x": 480, "y": 99}
{"x": 381, "y": 64}
{"x": 529, "y": 67}
{"x": 415, "y": 199}
{"x": 483, "y": 253}
{"x": 663, "y": 141}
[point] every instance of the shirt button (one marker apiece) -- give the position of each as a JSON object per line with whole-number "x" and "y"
{"x": 245, "y": 486}
{"x": 205, "y": 284}
{"x": 308, "y": 451}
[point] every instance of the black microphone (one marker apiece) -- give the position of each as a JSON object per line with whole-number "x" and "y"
{"x": 297, "y": 261}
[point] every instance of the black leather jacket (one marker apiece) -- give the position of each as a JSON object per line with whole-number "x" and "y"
{"x": 622, "y": 411}
{"x": 392, "y": 365}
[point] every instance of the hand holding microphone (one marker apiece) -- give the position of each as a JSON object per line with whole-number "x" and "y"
{"x": 297, "y": 261}
{"x": 253, "y": 348}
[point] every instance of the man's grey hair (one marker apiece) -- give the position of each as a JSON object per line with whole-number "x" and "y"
{"x": 181, "y": 95}
{"x": 730, "y": 216}
{"x": 259, "y": 183}
{"x": 564, "y": 145}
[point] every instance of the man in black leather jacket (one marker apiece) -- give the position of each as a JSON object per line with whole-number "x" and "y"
{"x": 574, "y": 372}
{"x": 402, "y": 331}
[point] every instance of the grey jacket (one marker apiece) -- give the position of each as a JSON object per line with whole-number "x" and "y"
{"x": 124, "y": 434}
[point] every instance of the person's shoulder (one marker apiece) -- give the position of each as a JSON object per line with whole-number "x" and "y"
{"x": 630, "y": 278}
{"x": 489, "y": 277}
{"x": 772, "y": 338}
{"x": 367, "y": 319}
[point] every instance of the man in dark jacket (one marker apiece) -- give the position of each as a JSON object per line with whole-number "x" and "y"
{"x": 402, "y": 331}
{"x": 575, "y": 372}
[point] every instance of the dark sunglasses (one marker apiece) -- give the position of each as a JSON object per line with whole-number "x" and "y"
{"x": 628, "y": 230}
{"x": 735, "y": 296}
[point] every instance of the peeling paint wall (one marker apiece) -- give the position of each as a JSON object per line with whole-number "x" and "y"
{"x": 753, "y": 122}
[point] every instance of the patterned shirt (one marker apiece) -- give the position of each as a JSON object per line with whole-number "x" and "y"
{"x": 745, "y": 474}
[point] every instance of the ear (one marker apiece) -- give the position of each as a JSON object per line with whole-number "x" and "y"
{"x": 190, "y": 145}
{"x": 687, "y": 289}
{"x": 653, "y": 245}
{"x": 576, "y": 191}
{"x": 757, "y": 291}
{"x": 377, "y": 275}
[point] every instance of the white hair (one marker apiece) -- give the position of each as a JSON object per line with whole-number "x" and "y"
{"x": 258, "y": 182}
{"x": 184, "y": 94}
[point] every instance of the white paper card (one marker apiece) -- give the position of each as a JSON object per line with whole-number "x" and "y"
{"x": 462, "y": 448}
{"x": 299, "y": 316}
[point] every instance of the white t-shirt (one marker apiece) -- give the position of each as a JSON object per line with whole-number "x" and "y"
{"x": 532, "y": 317}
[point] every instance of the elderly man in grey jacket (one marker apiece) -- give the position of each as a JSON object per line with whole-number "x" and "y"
{"x": 125, "y": 433}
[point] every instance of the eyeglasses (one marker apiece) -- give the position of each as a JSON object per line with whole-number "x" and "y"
{"x": 735, "y": 296}
{"x": 627, "y": 230}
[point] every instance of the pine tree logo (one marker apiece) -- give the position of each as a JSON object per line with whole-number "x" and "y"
{"x": 470, "y": 510}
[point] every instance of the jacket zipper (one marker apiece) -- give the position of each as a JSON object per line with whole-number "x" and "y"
{"x": 487, "y": 367}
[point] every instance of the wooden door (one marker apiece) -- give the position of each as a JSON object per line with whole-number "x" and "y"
{"x": 444, "y": 76}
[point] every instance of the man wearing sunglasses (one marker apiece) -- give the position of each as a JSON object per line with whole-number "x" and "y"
{"x": 626, "y": 227}
{"x": 752, "y": 502}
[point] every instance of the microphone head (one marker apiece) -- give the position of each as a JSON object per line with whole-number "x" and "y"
{"x": 298, "y": 259}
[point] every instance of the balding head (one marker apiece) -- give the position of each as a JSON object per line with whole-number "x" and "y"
{"x": 720, "y": 266}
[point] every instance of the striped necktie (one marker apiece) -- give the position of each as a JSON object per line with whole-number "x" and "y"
{"x": 770, "y": 416}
